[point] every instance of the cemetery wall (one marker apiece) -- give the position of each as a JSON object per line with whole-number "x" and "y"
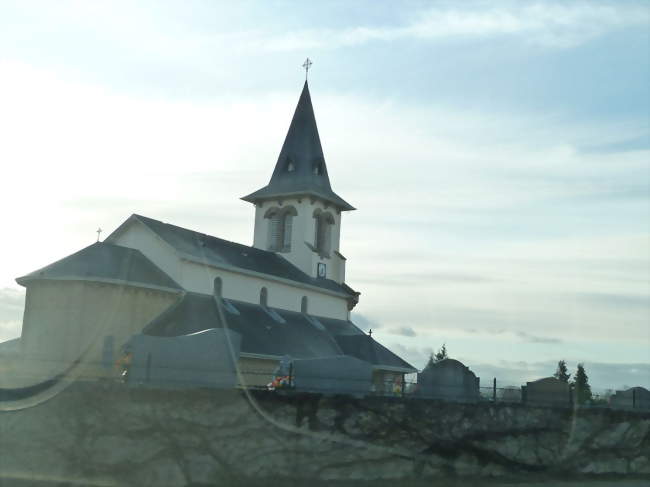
{"x": 110, "y": 434}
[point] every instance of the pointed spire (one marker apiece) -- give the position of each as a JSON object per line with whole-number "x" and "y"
{"x": 301, "y": 168}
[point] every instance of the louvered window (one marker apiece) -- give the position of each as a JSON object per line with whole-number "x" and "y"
{"x": 322, "y": 235}
{"x": 318, "y": 240}
{"x": 275, "y": 232}
{"x": 286, "y": 232}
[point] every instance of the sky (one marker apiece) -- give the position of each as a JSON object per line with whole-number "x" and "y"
{"x": 498, "y": 154}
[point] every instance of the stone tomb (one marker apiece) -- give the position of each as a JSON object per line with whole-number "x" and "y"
{"x": 449, "y": 380}
{"x": 635, "y": 397}
{"x": 546, "y": 392}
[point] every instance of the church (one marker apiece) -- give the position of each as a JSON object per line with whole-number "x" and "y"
{"x": 284, "y": 296}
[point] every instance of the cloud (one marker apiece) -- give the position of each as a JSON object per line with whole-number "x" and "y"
{"x": 364, "y": 322}
{"x": 527, "y": 337}
{"x": 405, "y": 331}
{"x": 484, "y": 200}
{"x": 549, "y": 25}
{"x": 620, "y": 301}
{"x": 638, "y": 143}
{"x": 9, "y": 330}
{"x": 601, "y": 375}
{"x": 414, "y": 278}
{"x": 12, "y": 304}
{"x": 416, "y": 356}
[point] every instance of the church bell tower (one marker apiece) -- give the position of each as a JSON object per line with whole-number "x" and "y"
{"x": 297, "y": 214}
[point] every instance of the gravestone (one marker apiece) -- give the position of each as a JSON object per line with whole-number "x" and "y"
{"x": 548, "y": 391}
{"x": 204, "y": 359}
{"x": 449, "y": 380}
{"x": 635, "y": 397}
{"x": 510, "y": 394}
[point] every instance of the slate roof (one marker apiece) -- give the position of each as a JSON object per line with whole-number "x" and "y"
{"x": 366, "y": 348}
{"x": 302, "y": 152}
{"x": 108, "y": 262}
{"x": 10, "y": 346}
{"x": 289, "y": 333}
{"x": 216, "y": 251}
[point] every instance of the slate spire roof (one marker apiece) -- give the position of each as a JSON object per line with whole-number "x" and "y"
{"x": 301, "y": 168}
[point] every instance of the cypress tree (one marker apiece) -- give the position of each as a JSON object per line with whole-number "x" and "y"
{"x": 581, "y": 385}
{"x": 441, "y": 354}
{"x": 562, "y": 373}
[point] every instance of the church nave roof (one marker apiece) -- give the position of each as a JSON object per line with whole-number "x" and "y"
{"x": 219, "y": 252}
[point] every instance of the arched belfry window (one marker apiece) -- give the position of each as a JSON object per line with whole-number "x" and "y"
{"x": 304, "y": 303}
{"x": 287, "y": 225}
{"x": 323, "y": 231}
{"x": 264, "y": 297}
{"x": 280, "y": 228}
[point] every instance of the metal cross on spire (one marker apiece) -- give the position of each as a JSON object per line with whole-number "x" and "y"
{"x": 307, "y": 64}
{"x": 99, "y": 230}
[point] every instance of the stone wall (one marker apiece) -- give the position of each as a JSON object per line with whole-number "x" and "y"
{"x": 110, "y": 434}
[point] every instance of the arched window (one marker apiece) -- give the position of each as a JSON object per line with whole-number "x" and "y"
{"x": 322, "y": 234}
{"x": 264, "y": 297}
{"x": 275, "y": 231}
{"x": 287, "y": 225}
{"x": 304, "y": 305}
{"x": 217, "y": 287}
{"x": 280, "y": 227}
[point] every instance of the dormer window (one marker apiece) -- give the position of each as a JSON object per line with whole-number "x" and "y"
{"x": 280, "y": 228}
{"x": 290, "y": 166}
{"x": 318, "y": 168}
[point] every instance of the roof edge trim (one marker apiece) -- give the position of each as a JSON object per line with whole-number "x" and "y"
{"x": 251, "y": 198}
{"x": 118, "y": 282}
{"x": 392, "y": 368}
{"x": 259, "y": 356}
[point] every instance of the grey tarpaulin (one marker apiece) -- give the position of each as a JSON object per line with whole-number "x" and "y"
{"x": 202, "y": 359}
{"x": 340, "y": 374}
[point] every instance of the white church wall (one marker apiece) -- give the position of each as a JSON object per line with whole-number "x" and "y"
{"x": 199, "y": 278}
{"x": 196, "y": 277}
{"x": 138, "y": 236}
{"x": 64, "y": 318}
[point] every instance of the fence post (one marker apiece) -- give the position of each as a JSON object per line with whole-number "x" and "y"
{"x": 291, "y": 374}
{"x": 633, "y": 398}
{"x": 494, "y": 390}
{"x": 147, "y": 372}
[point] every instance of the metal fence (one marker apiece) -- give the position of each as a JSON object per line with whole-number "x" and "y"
{"x": 495, "y": 393}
